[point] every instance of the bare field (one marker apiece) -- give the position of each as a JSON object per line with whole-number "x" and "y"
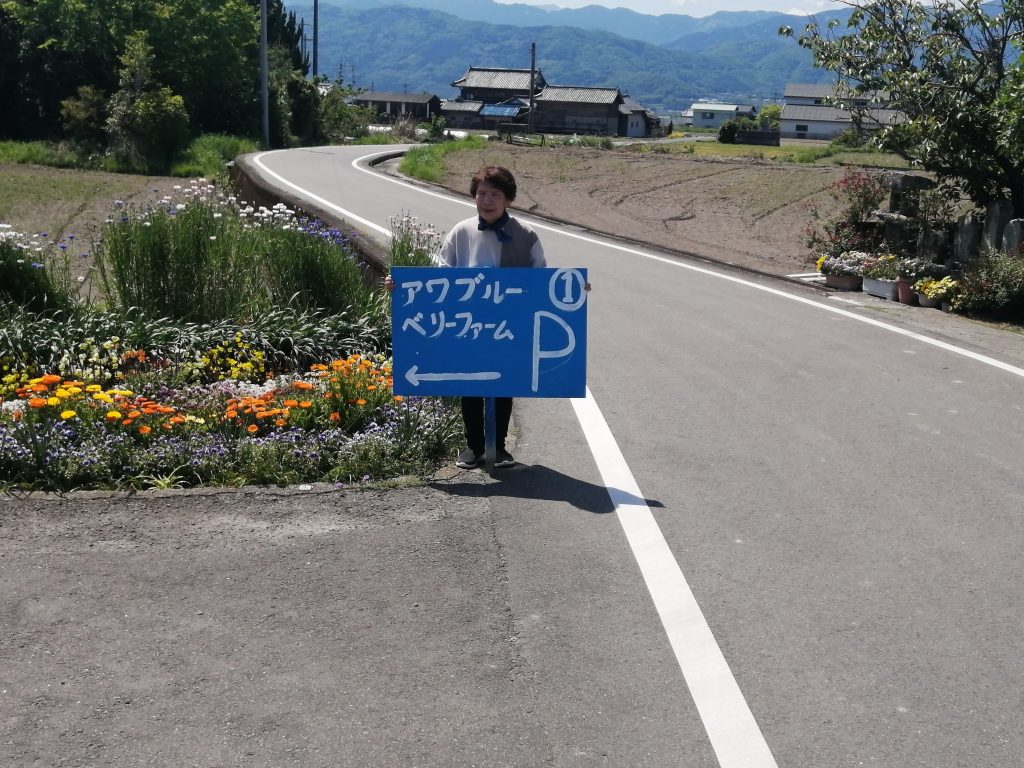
{"x": 745, "y": 212}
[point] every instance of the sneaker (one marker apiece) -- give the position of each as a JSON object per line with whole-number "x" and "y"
{"x": 468, "y": 459}
{"x": 503, "y": 458}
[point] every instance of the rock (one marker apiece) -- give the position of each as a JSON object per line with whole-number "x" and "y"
{"x": 997, "y": 216}
{"x": 934, "y": 244}
{"x": 967, "y": 238}
{"x": 901, "y": 184}
{"x": 1011, "y": 237}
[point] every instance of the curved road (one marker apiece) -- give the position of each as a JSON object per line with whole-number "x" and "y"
{"x": 815, "y": 552}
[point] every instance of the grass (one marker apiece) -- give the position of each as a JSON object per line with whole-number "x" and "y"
{"x": 205, "y": 157}
{"x": 427, "y": 162}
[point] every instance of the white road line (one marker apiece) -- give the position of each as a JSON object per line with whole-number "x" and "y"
{"x": 326, "y": 203}
{"x": 730, "y": 725}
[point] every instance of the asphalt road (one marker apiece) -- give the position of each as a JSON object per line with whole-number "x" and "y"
{"x": 782, "y": 530}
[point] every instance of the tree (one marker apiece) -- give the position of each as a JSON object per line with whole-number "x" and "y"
{"x": 147, "y": 124}
{"x": 945, "y": 66}
{"x": 769, "y": 116}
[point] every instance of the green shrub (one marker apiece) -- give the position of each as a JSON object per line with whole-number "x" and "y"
{"x": 32, "y": 275}
{"x": 992, "y": 286}
{"x": 210, "y": 259}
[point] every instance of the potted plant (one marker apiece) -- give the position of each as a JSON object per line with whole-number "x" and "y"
{"x": 936, "y": 293}
{"x": 908, "y": 270}
{"x": 880, "y": 273}
{"x": 843, "y": 271}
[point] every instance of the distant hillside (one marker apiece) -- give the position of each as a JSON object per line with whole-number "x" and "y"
{"x": 383, "y": 46}
{"x": 658, "y": 30}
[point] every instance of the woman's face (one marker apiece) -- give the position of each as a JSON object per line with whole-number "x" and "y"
{"x": 490, "y": 202}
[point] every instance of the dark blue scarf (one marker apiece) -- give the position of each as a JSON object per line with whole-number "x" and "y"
{"x": 498, "y": 226}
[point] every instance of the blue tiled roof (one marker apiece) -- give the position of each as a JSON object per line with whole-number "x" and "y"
{"x": 500, "y": 110}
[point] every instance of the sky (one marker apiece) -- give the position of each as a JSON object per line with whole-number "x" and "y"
{"x": 696, "y": 8}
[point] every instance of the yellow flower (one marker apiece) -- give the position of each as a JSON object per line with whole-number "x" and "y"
{"x": 113, "y": 415}
{"x": 68, "y": 414}
{"x": 94, "y": 388}
{"x": 53, "y": 401}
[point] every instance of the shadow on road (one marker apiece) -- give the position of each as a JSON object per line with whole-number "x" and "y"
{"x": 539, "y": 482}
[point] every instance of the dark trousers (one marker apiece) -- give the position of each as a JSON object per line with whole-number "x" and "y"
{"x": 473, "y": 418}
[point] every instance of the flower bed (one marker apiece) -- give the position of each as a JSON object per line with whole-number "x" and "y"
{"x": 245, "y": 392}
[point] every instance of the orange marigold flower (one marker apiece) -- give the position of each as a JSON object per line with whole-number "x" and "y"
{"x": 335, "y": 416}
{"x": 128, "y": 422}
{"x": 280, "y": 422}
{"x": 305, "y": 404}
{"x": 360, "y": 401}
{"x": 302, "y": 385}
{"x": 37, "y": 402}
{"x": 177, "y": 419}
{"x": 399, "y": 398}
{"x": 291, "y": 403}
{"x": 50, "y": 378}
{"x": 252, "y": 428}
{"x": 134, "y": 414}
{"x": 231, "y": 414}
{"x": 16, "y": 416}
{"x": 144, "y": 430}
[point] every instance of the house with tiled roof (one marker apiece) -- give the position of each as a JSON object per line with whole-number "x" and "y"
{"x": 578, "y": 109}
{"x": 491, "y": 97}
{"x": 494, "y": 85}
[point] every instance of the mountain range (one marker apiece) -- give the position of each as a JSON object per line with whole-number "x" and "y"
{"x": 665, "y": 62}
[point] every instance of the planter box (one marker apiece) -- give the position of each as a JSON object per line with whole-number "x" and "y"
{"x": 883, "y": 289}
{"x": 924, "y": 301}
{"x": 843, "y": 282}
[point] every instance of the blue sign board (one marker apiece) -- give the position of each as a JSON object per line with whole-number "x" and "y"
{"x": 485, "y": 332}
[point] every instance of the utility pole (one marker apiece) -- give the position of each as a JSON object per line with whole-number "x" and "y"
{"x": 533, "y": 84}
{"x": 316, "y": 38}
{"x": 264, "y": 77}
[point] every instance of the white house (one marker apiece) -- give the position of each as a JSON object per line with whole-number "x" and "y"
{"x": 814, "y": 112}
{"x": 708, "y": 114}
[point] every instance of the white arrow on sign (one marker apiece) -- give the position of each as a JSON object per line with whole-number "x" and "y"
{"x": 414, "y": 377}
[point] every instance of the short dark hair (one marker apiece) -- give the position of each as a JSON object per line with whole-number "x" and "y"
{"x": 498, "y": 177}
